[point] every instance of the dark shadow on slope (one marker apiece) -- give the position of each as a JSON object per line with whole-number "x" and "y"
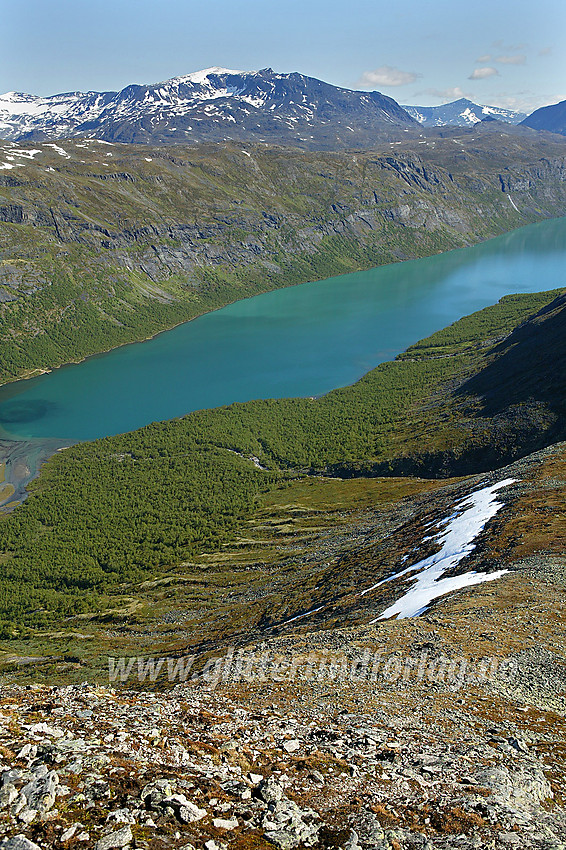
{"x": 530, "y": 367}
{"x": 514, "y": 406}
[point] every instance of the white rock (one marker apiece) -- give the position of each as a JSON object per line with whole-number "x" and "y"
{"x": 189, "y": 813}
{"x": 68, "y": 833}
{"x": 221, "y": 823}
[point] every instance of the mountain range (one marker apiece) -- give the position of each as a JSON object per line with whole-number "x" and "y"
{"x": 219, "y": 105}
{"x": 213, "y": 105}
{"x": 461, "y": 113}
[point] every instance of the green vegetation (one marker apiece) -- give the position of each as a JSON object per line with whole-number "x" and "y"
{"x": 127, "y": 508}
{"x": 107, "y": 246}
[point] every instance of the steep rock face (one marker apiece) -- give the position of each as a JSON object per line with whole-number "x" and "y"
{"x": 212, "y": 105}
{"x": 549, "y": 118}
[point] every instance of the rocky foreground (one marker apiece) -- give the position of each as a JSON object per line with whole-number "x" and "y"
{"x": 445, "y": 730}
{"x": 327, "y": 751}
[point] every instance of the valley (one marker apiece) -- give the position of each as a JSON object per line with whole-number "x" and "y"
{"x": 240, "y": 607}
{"x": 101, "y": 246}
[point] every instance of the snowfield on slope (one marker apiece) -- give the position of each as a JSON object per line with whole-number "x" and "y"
{"x": 461, "y": 529}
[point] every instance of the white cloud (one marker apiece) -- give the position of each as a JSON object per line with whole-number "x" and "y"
{"x": 517, "y": 59}
{"x": 454, "y": 93}
{"x": 386, "y": 75}
{"x": 483, "y": 73}
{"x": 545, "y": 51}
{"x": 483, "y": 59}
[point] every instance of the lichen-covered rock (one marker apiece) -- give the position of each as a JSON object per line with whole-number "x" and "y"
{"x": 19, "y": 842}
{"x": 118, "y": 839}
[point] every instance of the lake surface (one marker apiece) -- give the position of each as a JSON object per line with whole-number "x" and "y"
{"x": 300, "y": 341}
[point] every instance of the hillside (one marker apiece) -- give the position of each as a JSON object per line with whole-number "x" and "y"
{"x": 549, "y": 118}
{"x": 93, "y": 521}
{"x": 105, "y": 244}
{"x": 214, "y": 105}
{"x": 252, "y": 696}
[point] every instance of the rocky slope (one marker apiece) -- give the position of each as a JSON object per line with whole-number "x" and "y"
{"x": 445, "y": 731}
{"x": 103, "y": 244}
{"x": 214, "y": 105}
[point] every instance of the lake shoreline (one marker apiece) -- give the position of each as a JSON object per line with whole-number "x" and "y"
{"x": 292, "y": 375}
{"x": 22, "y": 461}
{"x": 45, "y": 370}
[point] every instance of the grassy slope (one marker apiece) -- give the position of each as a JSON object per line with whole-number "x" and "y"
{"x": 130, "y": 507}
{"x": 111, "y": 245}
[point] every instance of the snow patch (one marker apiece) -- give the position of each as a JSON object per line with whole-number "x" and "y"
{"x": 462, "y": 527}
{"x": 300, "y": 616}
{"x": 202, "y": 76}
{"x": 58, "y": 150}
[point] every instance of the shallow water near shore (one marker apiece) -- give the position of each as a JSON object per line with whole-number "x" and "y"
{"x": 300, "y": 341}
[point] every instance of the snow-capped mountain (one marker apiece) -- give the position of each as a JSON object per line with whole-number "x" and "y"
{"x": 549, "y": 118}
{"x": 211, "y": 105}
{"x": 461, "y": 113}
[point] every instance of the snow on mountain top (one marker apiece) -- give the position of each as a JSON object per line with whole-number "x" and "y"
{"x": 201, "y": 76}
{"x": 256, "y": 102}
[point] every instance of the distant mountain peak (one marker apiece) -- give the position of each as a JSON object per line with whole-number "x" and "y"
{"x": 461, "y": 113}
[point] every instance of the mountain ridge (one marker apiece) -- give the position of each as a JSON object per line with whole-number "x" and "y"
{"x": 215, "y": 104}
{"x": 101, "y": 245}
{"x": 550, "y": 118}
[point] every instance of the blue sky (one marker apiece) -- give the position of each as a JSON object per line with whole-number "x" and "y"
{"x": 508, "y": 53}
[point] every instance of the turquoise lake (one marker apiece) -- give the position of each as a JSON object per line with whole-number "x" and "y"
{"x": 300, "y": 341}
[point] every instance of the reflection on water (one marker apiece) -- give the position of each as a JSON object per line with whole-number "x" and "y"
{"x": 12, "y": 412}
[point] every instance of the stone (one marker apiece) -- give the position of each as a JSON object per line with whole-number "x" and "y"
{"x": 352, "y": 842}
{"x": 189, "y": 813}
{"x": 270, "y": 790}
{"x": 519, "y": 788}
{"x": 118, "y": 839}
{"x": 19, "y": 842}
{"x": 221, "y": 823}
{"x": 121, "y": 816}
{"x": 8, "y": 793}
{"x": 40, "y": 793}
{"x": 292, "y": 746}
{"x": 68, "y": 833}
{"x": 155, "y": 792}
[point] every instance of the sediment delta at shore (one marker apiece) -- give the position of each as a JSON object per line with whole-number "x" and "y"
{"x": 20, "y": 463}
